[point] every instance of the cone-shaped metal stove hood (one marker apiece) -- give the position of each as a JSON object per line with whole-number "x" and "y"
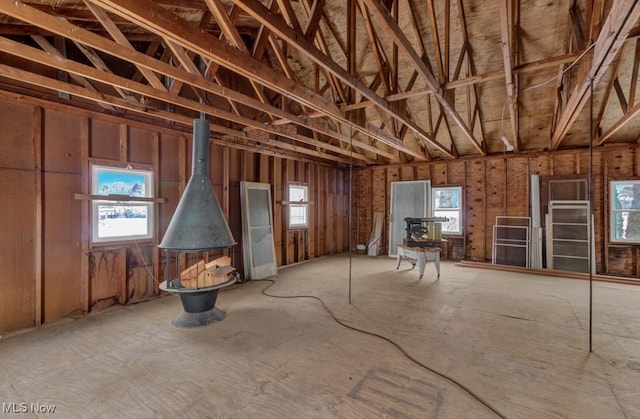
{"x": 198, "y": 223}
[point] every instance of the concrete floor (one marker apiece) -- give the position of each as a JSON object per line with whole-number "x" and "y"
{"x": 518, "y": 341}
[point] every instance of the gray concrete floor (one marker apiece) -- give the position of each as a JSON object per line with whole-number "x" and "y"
{"x": 518, "y": 341}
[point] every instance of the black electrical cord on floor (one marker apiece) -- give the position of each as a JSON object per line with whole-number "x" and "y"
{"x": 396, "y": 345}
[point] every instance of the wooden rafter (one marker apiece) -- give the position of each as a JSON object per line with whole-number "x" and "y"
{"x": 82, "y": 81}
{"x": 276, "y": 25}
{"x": 151, "y": 92}
{"x": 401, "y": 40}
{"x": 120, "y": 38}
{"x": 621, "y": 19}
{"x": 507, "y": 23}
{"x": 67, "y": 30}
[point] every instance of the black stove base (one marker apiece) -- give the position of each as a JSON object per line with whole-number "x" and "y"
{"x": 187, "y": 320}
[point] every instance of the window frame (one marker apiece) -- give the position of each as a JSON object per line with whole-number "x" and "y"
{"x": 613, "y": 211}
{"x": 441, "y": 212}
{"x": 298, "y": 204}
{"x": 124, "y": 201}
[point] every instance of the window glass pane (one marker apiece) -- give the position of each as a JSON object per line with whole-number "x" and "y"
{"x": 453, "y": 225}
{"x": 113, "y": 220}
{"x": 625, "y": 211}
{"x": 297, "y": 193}
{"x": 446, "y": 198}
{"x": 626, "y": 195}
{"x": 297, "y": 212}
{"x": 121, "y": 182}
{"x": 447, "y": 202}
{"x": 259, "y": 207}
{"x": 122, "y": 220}
{"x": 298, "y": 215}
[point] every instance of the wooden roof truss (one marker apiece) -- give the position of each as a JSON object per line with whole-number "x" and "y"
{"x": 357, "y": 81}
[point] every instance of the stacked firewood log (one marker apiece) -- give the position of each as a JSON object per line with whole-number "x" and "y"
{"x": 202, "y": 275}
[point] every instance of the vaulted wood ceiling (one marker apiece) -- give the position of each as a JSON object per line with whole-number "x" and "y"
{"x": 366, "y": 81}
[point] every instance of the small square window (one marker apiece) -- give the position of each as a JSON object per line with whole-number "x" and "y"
{"x": 625, "y": 211}
{"x": 298, "y": 206}
{"x": 447, "y": 202}
{"x": 114, "y": 219}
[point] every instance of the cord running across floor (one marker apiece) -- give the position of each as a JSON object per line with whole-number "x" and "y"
{"x": 396, "y": 345}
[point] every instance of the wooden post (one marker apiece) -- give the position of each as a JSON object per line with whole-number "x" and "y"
{"x": 156, "y": 211}
{"x": 37, "y": 242}
{"x": 124, "y": 143}
{"x": 225, "y": 187}
{"x": 84, "y": 151}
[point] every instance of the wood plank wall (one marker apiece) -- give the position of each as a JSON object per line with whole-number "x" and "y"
{"x": 500, "y": 185}
{"x": 49, "y": 267}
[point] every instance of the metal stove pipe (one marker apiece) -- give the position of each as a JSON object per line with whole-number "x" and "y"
{"x": 198, "y": 223}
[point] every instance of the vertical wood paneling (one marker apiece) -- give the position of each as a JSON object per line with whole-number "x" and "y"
{"x": 107, "y": 273}
{"x": 17, "y": 131}
{"x": 439, "y": 174}
{"x": 278, "y": 230}
{"x": 364, "y": 204}
{"x": 475, "y": 214}
{"x": 380, "y": 203}
{"x": 104, "y": 140}
{"x": 517, "y": 187}
{"x": 321, "y": 210}
{"x": 17, "y": 250}
{"x": 495, "y": 200}
{"x": 140, "y": 283}
{"x": 38, "y": 244}
{"x": 63, "y": 239}
{"x": 313, "y": 211}
{"x": 423, "y": 172}
{"x": 407, "y": 173}
{"x": 456, "y": 173}
{"x": 140, "y": 146}
{"x": 564, "y": 164}
{"x": 17, "y": 215}
{"x": 539, "y": 165}
{"x": 63, "y": 288}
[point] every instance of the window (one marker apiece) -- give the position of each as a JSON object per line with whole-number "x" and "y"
{"x": 298, "y": 206}
{"x": 119, "y": 216}
{"x": 625, "y": 211}
{"x": 446, "y": 202}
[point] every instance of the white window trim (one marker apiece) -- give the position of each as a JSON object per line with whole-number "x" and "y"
{"x": 304, "y": 205}
{"x": 117, "y": 200}
{"x": 457, "y": 210}
{"x": 613, "y": 210}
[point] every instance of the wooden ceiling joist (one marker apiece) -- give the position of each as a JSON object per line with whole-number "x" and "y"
{"x": 65, "y": 29}
{"x": 278, "y": 26}
{"x": 621, "y": 19}
{"x": 507, "y": 29}
{"x": 379, "y": 10}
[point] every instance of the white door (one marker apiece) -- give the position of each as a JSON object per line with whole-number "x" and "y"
{"x": 408, "y": 199}
{"x": 257, "y": 230}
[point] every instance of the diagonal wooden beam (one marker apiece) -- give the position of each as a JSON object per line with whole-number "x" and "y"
{"x": 405, "y": 46}
{"x": 65, "y": 29}
{"x": 233, "y": 36}
{"x": 277, "y": 26}
{"x": 621, "y": 19}
{"x": 82, "y": 81}
{"x": 313, "y": 23}
{"x": 506, "y": 32}
{"x": 158, "y": 20}
{"x": 633, "y": 113}
{"x": 119, "y": 37}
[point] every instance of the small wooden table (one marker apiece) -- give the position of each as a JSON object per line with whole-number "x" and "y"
{"x": 419, "y": 256}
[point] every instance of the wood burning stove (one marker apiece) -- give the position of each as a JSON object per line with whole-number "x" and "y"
{"x": 197, "y": 227}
